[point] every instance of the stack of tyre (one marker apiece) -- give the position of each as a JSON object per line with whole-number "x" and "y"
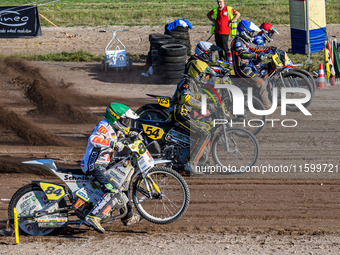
{"x": 172, "y": 59}
{"x": 182, "y": 34}
{"x": 156, "y": 41}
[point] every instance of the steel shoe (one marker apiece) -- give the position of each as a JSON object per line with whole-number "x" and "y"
{"x": 95, "y": 223}
{"x": 135, "y": 218}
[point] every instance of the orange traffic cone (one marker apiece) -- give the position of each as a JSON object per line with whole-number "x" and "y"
{"x": 321, "y": 81}
{"x": 229, "y": 57}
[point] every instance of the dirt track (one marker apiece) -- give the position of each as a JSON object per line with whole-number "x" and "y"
{"x": 248, "y": 214}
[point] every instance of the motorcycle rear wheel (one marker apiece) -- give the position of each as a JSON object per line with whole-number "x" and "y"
{"x": 150, "y": 112}
{"x": 166, "y": 207}
{"x": 27, "y": 200}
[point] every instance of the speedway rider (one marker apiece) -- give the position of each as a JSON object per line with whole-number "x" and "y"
{"x": 101, "y": 145}
{"x": 185, "y": 100}
{"x": 266, "y": 34}
{"x": 203, "y": 51}
{"x": 243, "y": 51}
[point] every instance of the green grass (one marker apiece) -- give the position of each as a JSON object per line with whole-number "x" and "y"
{"x": 71, "y": 13}
{"x": 79, "y": 56}
{"x": 160, "y": 12}
{"x": 316, "y": 59}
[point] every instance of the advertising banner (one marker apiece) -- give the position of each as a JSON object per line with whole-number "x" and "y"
{"x": 17, "y": 21}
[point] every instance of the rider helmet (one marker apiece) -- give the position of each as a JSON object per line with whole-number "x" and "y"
{"x": 268, "y": 30}
{"x": 205, "y": 51}
{"x": 200, "y": 71}
{"x": 246, "y": 30}
{"x": 117, "y": 111}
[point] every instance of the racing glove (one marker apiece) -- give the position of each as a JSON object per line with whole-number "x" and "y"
{"x": 118, "y": 146}
{"x": 135, "y": 135}
{"x": 260, "y": 56}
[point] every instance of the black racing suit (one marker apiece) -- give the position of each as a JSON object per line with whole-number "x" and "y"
{"x": 185, "y": 99}
{"x": 242, "y": 53}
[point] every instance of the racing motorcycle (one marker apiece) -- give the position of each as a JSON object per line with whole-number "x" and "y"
{"x": 161, "y": 109}
{"x": 233, "y": 149}
{"x": 280, "y": 74}
{"x": 159, "y": 194}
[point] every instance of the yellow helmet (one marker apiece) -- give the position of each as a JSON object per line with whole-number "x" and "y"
{"x": 199, "y": 70}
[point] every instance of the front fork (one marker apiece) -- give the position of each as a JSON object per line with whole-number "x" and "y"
{"x": 147, "y": 179}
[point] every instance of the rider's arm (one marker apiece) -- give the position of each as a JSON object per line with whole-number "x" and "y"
{"x": 259, "y": 48}
{"x": 188, "y": 99}
{"x": 103, "y": 137}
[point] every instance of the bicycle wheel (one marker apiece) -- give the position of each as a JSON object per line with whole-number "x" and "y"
{"x": 235, "y": 150}
{"x": 162, "y": 207}
{"x": 293, "y": 79}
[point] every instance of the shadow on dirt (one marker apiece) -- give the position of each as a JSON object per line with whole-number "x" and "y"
{"x": 132, "y": 76}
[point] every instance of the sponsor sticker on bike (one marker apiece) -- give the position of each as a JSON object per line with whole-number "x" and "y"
{"x": 145, "y": 162}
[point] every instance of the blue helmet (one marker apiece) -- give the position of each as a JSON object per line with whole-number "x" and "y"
{"x": 246, "y": 30}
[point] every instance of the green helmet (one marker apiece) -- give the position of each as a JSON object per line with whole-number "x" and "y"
{"x": 116, "y": 111}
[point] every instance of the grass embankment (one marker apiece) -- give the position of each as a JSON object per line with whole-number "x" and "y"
{"x": 154, "y": 12}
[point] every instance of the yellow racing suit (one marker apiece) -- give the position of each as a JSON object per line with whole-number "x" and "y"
{"x": 185, "y": 100}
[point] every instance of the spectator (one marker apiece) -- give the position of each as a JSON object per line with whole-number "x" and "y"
{"x": 224, "y": 20}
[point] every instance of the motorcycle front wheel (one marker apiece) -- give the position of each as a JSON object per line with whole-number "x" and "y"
{"x": 168, "y": 198}
{"x": 235, "y": 150}
{"x": 27, "y": 200}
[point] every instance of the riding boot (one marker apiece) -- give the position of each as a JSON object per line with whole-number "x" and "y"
{"x": 108, "y": 202}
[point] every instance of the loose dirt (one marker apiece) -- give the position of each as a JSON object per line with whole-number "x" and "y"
{"x": 48, "y": 110}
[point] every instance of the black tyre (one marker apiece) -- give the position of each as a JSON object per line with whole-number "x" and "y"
{"x": 157, "y": 44}
{"x": 27, "y": 200}
{"x": 150, "y": 112}
{"x": 179, "y": 35}
{"x": 172, "y": 74}
{"x": 177, "y": 59}
{"x": 294, "y": 79}
{"x": 169, "y": 198}
{"x": 155, "y": 37}
{"x": 308, "y": 75}
{"x": 240, "y": 152}
{"x": 172, "y": 66}
{"x": 172, "y": 50}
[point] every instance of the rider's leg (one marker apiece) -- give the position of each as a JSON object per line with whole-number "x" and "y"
{"x": 131, "y": 217}
{"x": 197, "y": 129}
{"x": 261, "y": 85}
{"x": 110, "y": 200}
